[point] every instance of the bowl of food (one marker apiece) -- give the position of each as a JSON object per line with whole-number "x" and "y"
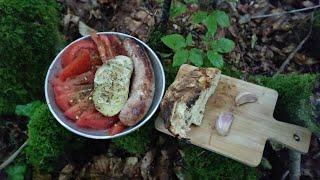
{"x": 104, "y": 85}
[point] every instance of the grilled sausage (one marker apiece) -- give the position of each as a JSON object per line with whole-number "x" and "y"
{"x": 142, "y": 85}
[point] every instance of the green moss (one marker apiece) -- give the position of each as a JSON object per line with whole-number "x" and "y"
{"x": 47, "y": 139}
{"x": 137, "y": 142}
{"x": 207, "y": 165}
{"x": 293, "y": 103}
{"x": 306, "y": 114}
{"x": 11, "y": 91}
{"x": 29, "y": 36}
{"x": 228, "y": 71}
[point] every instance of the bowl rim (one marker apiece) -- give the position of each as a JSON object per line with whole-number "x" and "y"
{"x": 133, "y": 128}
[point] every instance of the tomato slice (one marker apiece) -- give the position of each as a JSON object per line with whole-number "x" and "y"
{"x": 116, "y": 129}
{"x": 65, "y": 89}
{"x": 84, "y": 78}
{"x": 87, "y": 113}
{"x": 56, "y": 82}
{"x": 74, "y": 50}
{"x": 62, "y": 102}
{"x": 75, "y": 111}
{"x": 81, "y": 82}
{"x": 80, "y": 65}
{"x": 68, "y": 99}
{"x": 98, "y": 124}
{"x": 116, "y": 45}
{"x": 96, "y": 121}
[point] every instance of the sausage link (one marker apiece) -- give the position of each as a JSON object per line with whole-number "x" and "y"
{"x": 142, "y": 85}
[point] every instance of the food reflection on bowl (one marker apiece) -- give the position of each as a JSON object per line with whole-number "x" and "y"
{"x": 132, "y": 118}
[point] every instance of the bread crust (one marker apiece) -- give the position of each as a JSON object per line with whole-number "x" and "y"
{"x": 186, "y": 90}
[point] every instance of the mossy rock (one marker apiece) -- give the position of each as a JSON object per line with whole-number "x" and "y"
{"x": 29, "y": 33}
{"x": 47, "y": 139}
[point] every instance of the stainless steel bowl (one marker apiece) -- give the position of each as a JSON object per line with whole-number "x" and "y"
{"x": 103, "y": 134}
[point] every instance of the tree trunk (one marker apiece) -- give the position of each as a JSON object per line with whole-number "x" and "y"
{"x": 165, "y": 13}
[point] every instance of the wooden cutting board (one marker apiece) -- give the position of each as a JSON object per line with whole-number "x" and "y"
{"x": 253, "y": 124}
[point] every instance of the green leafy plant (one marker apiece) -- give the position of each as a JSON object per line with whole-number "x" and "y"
{"x": 16, "y": 172}
{"x": 185, "y": 50}
{"x": 177, "y": 9}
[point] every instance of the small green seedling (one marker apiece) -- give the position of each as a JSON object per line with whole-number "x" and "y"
{"x": 184, "y": 48}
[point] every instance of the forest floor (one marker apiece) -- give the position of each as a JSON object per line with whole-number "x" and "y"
{"x": 264, "y": 45}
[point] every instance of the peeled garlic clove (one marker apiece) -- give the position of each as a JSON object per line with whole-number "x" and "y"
{"x": 223, "y": 123}
{"x": 245, "y": 97}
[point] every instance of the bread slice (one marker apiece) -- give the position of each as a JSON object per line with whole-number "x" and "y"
{"x": 185, "y": 100}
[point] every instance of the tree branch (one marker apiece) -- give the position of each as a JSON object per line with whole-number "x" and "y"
{"x": 13, "y": 156}
{"x": 294, "y": 165}
{"x": 286, "y": 12}
{"x": 291, "y": 55}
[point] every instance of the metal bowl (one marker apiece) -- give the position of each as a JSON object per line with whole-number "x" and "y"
{"x": 55, "y": 67}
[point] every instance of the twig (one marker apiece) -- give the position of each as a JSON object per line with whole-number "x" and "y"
{"x": 286, "y": 12}
{"x": 294, "y": 165}
{"x": 13, "y": 156}
{"x": 284, "y": 175}
{"x": 291, "y": 55}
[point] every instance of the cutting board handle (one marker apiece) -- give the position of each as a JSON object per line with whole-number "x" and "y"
{"x": 292, "y": 136}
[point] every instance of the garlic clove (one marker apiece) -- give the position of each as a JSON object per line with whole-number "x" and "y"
{"x": 245, "y": 97}
{"x": 223, "y": 123}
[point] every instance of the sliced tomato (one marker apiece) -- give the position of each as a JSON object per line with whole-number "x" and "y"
{"x": 63, "y": 102}
{"x": 56, "y": 82}
{"x": 75, "y": 111}
{"x": 116, "y": 128}
{"x": 84, "y": 78}
{"x": 96, "y": 120}
{"x": 77, "y": 83}
{"x": 65, "y": 89}
{"x": 116, "y": 45}
{"x": 71, "y": 98}
{"x": 78, "y": 66}
{"x": 87, "y": 113}
{"x": 99, "y": 124}
{"x": 74, "y": 50}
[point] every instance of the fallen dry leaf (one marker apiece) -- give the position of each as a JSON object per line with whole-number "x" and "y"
{"x": 84, "y": 29}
